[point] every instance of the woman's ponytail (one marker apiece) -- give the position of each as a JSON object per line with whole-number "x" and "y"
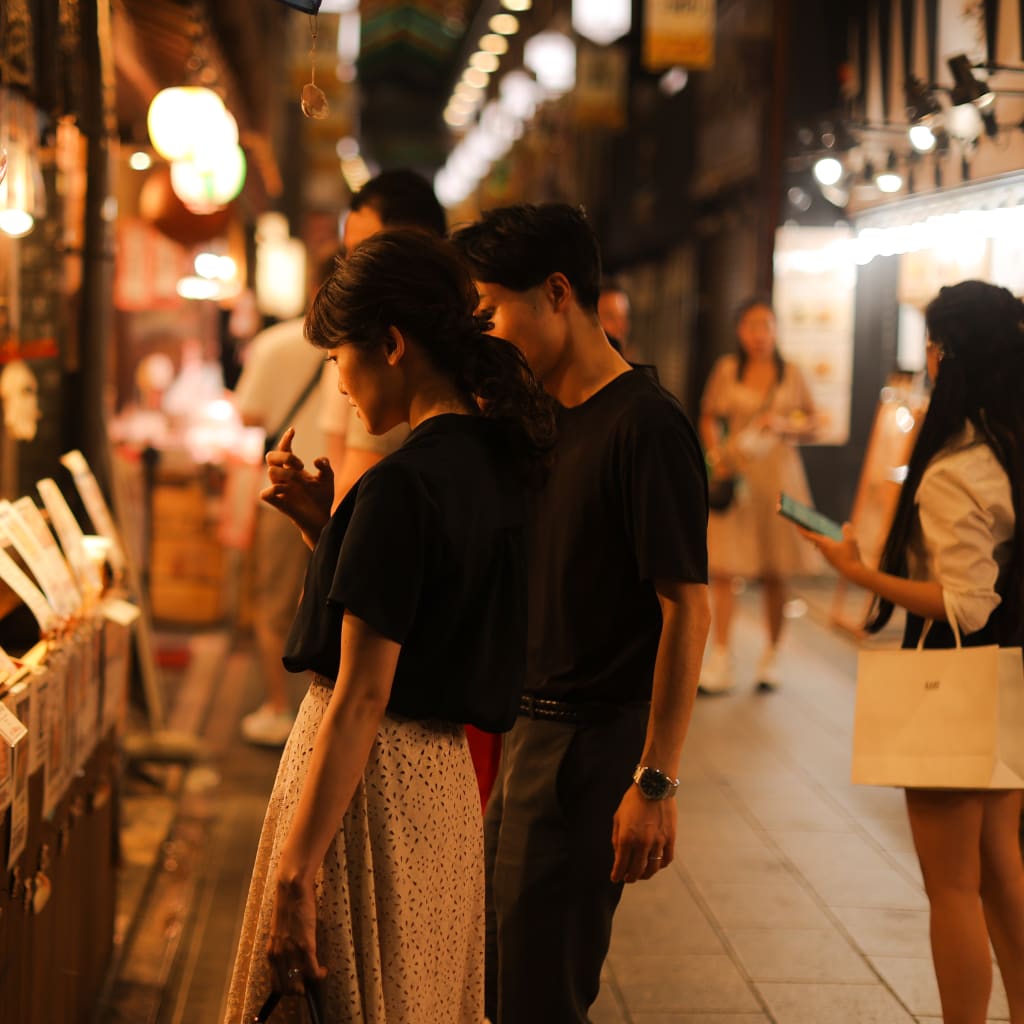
{"x": 419, "y": 284}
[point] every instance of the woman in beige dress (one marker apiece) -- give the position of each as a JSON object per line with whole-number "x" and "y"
{"x": 755, "y": 406}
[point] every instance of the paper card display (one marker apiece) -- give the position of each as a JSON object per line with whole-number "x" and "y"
{"x": 57, "y": 567}
{"x": 116, "y": 663}
{"x": 57, "y": 771}
{"x": 14, "y": 734}
{"x": 38, "y": 735}
{"x": 7, "y": 667}
{"x": 27, "y": 530}
{"x": 5, "y": 783}
{"x": 70, "y": 533}
{"x": 95, "y": 504}
{"x": 87, "y": 716}
{"x": 12, "y": 575}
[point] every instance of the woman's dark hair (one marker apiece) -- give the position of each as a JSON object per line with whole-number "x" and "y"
{"x": 755, "y": 302}
{"x": 979, "y": 329}
{"x": 520, "y": 247}
{"x": 413, "y": 281}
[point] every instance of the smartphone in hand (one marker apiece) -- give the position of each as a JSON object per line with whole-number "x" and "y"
{"x": 809, "y": 518}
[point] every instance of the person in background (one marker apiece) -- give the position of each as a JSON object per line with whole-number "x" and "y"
{"x": 613, "y": 312}
{"x": 618, "y": 619}
{"x": 755, "y": 406}
{"x": 955, "y": 553}
{"x": 368, "y": 885}
{"x": 280, "y": 388}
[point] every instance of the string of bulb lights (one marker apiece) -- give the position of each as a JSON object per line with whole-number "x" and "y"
{"x": 931, "y": 127}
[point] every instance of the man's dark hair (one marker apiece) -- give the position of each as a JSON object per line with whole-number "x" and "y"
{"x": 520, "y": 247}
{"x": 402, "y": 199}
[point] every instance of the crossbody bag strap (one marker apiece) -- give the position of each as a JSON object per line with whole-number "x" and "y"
{"x": 300, "y": 401}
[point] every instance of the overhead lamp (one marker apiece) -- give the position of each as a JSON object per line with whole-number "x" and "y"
{"x": 922, "y": 138}
{"x": 468, "y": 93}
{"x": 922, "y": 104}
{"x": 889, "y": 180}
{"x": 181, "y": 117}
{"x": 517, "y": 5}
{"x": 455, "y": 118}
{"x": 828, "y": 170}
{"x": 602, "y": 21}
{"x": 673, "y": 81}
{"x": 16, "y": 223}
{"x": 207, "y": 187}
{"x": 475, "y": 77}
{"x": 519, "y": 94}
{"x": 504, "y": 24}
{"x": 969, "y": 89}
{"x": 485, "y": 61}
{"x": 551, "y": 56}
{"x": 493, "y": 43}
{"x": 140, "y": 160}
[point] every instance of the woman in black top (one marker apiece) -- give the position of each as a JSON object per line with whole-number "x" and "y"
{"x": 368, "y": 885}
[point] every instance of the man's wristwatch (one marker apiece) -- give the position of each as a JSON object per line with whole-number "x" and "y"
{"x": 653, "y": 783}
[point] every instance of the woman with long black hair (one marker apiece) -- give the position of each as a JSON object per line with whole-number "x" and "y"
{"x": 368, "y": 886}
{"x": 955, "y": 553}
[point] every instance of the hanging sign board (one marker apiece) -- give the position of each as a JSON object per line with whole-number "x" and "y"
{"x": 602, "y": 77}
{"x": 679, "y": 33}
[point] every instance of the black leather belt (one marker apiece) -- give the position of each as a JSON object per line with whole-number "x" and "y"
{"x": 564, "y": 711}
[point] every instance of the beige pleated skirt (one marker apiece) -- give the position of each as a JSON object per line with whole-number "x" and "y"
{"x": 400, "y": 895}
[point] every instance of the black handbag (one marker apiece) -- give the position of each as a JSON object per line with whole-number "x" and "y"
{"x": 274, "y": 998}
{"x": 721, "y": 493}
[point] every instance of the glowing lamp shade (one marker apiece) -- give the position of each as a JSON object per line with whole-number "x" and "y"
{"x": 519, "y": 94}
{"x": 179, "y": 116}
{"x": 16, "y": 223}
{"x": 602, "y": 21}
{"x": 205, "y": 187}
{"x": 922, "y": 138}
{"x": 889, "y": 181}
{"x": 828, "y": 170}
{"x": 551, "y": 56}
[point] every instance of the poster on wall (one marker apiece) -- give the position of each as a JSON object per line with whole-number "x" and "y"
{"x": 815, "y": 278}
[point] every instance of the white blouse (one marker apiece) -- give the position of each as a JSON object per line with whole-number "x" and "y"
{"x": 965, "y": 512}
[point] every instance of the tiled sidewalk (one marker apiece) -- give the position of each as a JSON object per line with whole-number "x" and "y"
{"x": 795, "y": 896}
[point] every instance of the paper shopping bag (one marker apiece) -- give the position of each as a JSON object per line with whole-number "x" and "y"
{"x": 943, "y": 719}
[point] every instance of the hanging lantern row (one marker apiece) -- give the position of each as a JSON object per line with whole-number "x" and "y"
{"x": 190, "y": 127}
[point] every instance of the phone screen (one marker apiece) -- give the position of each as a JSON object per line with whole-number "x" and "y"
{"x": 809, "y": 518}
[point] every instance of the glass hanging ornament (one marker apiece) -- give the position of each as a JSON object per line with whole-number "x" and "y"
{"x": 314, "y": 102}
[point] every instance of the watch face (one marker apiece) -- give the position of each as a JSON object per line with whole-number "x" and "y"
{"x": 653, "y": 784}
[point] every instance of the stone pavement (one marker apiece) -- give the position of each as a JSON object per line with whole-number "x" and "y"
{"x": 795, "y": 897}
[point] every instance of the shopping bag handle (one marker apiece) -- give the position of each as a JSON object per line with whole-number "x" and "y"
{"x": 928, "y": 625}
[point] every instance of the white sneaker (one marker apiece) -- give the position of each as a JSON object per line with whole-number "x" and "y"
{"x": 768, "y": 678}
{"x": 716, "y": 674}
{"x": 267, "y": 727}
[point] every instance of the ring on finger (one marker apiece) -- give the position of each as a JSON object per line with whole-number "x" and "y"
{"x": 293, "y": 972}
{"x": 659, "y": 857}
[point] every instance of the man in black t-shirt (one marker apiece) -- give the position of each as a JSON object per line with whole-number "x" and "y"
{"x": 618, "y": 620}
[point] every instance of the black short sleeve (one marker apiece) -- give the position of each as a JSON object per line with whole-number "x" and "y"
{"x": 665, "y": 495}
{"x": 381, "y": 568}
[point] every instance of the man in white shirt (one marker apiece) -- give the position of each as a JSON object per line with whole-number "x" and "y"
{"x": 280, "y": 387}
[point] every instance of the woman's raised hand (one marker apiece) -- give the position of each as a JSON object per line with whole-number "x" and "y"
{"x": 305, "y": 498}
{"x": 843, "y": 555}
